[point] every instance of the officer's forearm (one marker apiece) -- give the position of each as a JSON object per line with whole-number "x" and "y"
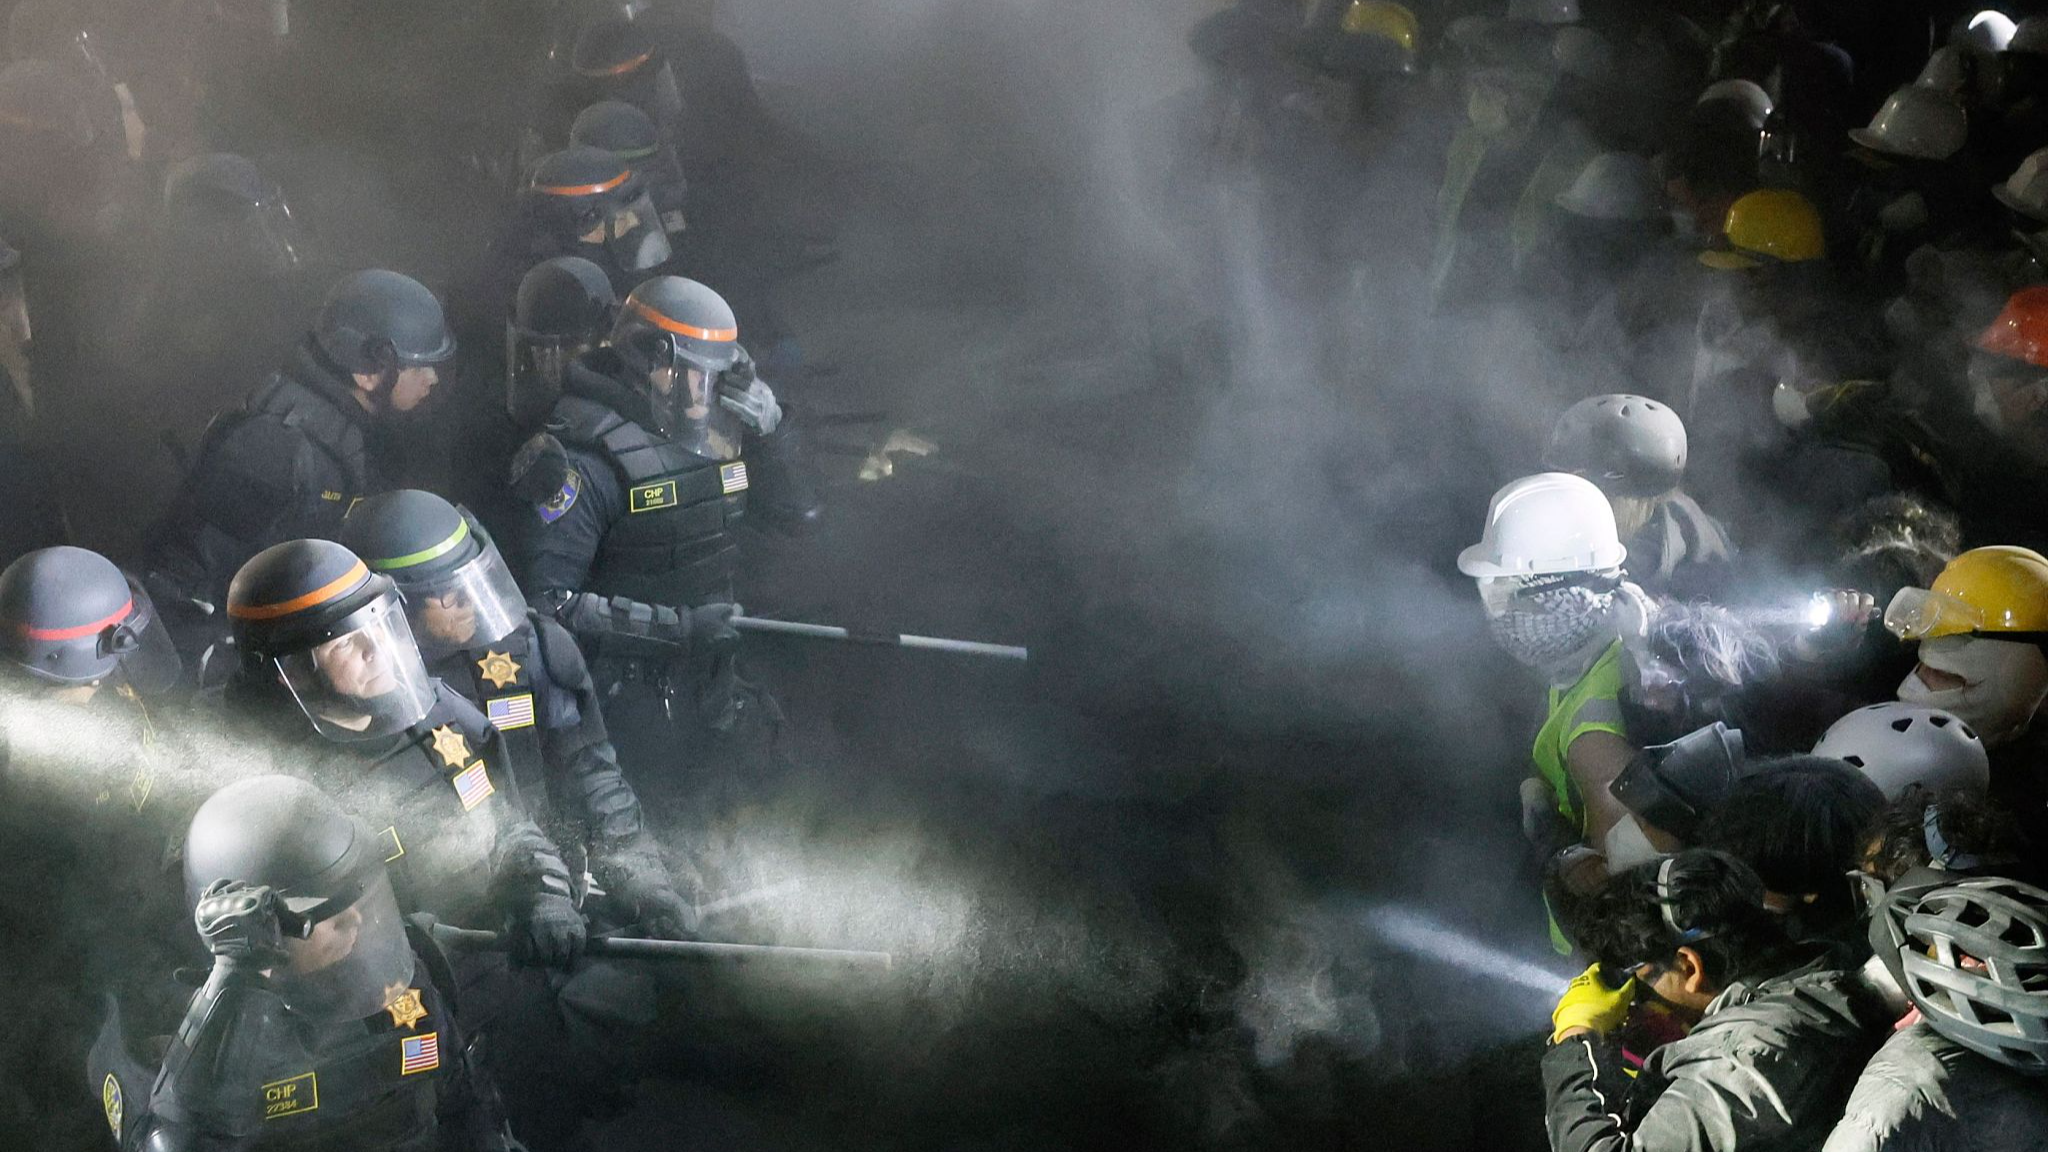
{"x": 526, "y": 865}
{"x": 602, "y": 800}
{"x": 617, "y": 626}
{"x": 204, "y": 1095}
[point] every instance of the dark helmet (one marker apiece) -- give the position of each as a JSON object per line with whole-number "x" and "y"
{"x": 611, "y": 46}
{"x": 592, "y": 204}
{"x": 670, "y": 322}
{"x": 288, "y": 836}
{"x": 1628, "y": 445}
{"x": 618, "y": 128}
{"x": 670, "y": 319}
{"x": 69, "y": 616}
{"x": 224, "y": 199}
{"x": 1926, "y": 927}
{"x": 291, "y": 605}
{"x": 458, "y": 592}
{"x": 1674, "y": 785}
{"x": 292, "y": 596}
{"x": 566, "y": 299}
{"x": 564, "y": 308}
{"x": 375, "y": 320}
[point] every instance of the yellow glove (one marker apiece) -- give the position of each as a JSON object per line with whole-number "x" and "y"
{"x": 1589, "y": 1003}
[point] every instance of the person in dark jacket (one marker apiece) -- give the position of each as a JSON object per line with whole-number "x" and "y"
{"x": 1776, "y": 1043}
{"x": 323, "y": 432}
{"x": 1968, "y": 1068}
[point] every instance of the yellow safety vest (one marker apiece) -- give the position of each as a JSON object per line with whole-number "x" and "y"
{"x": 1591, "y": 704}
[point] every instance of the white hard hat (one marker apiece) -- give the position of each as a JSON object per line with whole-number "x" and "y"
{"x": 1948, "y": 69}
{"x": 2026, "y": 190}
{"x": 1547, "y": 523}
{"x": 1917, "y": 121}
{"x": 1616, "y": 186}
{"x": 1544, "y": 11}
{"x": 1989, "y": 32}
{"x": 1898, "y": 745}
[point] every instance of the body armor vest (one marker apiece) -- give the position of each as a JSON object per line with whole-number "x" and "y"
{"x": 674, "y": 544}
{"x": 504, "y": 681}
{"x": 369, "y": 1085}
{"x": 439, "y": 793}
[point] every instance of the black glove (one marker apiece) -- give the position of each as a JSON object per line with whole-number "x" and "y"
{"x": 549, "y": 931}
{"x": 711, "y": 629}
{"x": 240, "y": 925}
{"x": 659, "y": 910}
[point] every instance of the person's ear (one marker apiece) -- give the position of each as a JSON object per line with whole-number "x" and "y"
{"x": 1691, "y": 970}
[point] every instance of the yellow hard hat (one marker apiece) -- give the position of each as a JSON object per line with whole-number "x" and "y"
{"x": 2000, "y": 592}
{"x": 1770, "y": 224}
{"x": 1383, "y": 19}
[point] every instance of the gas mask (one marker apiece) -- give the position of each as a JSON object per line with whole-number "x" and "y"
{"x": 2004, "y": 682}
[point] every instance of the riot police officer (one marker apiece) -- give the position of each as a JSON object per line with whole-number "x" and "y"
{"x": 84, "y": 814}
{"x": 525, "y": 672}
{"x": 631, "y": 135}
{"x": 587, "y": 202}
{"x": 323, "y": 1023}
{"x": 670, "y": 442}
{"x": 324, "y": 431}
{"x": 71, "y": 622}
{"x": 314, "y": 626}
{"x": 565, "y": 307}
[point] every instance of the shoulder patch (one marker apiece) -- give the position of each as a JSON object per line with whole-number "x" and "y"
{"x": 564, "y": 499}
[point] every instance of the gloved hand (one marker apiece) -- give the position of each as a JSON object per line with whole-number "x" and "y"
{"x": 643, "y": 886}
{"x": 550, "y": 931}
{"x": 240, "y": 925}
{"x": 711, "y": 628}
{"x": 743, "y": 394}
{"x": 1589, "y": 1003}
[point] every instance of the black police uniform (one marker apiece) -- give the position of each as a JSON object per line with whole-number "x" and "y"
{"x": 441, "y": 795}
{"x": 535, "y": 689}
{"x": 398, "y": 1081}
{"x": 284, "y": 466}
{"x": 646, "y": 521}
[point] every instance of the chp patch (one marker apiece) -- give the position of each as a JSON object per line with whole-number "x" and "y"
{"x": 558, "y": 505}
{"x": 419, "y": 1054}
{"x": 652, "y": 497}
{"x": 299, "y": 1093}
{"x": 473, "y": 786}
{"x": 732, "y": 477}
{"x": 509, "y": 712}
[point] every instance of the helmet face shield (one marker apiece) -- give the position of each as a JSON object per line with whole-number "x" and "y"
{"x": 366, "y": 680}
{"x": 1921, "y": 613}
{"x": 534, "y": 369}
{"x": 470, "y": 606}
{"x": 346, "y": 960}
{"x": 149, "y": 661}
{"x": 631, "y": 233}
{"x": 684, "y": 398}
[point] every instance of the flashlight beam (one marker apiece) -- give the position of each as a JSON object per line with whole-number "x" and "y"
{"x": 1421, "y": 936}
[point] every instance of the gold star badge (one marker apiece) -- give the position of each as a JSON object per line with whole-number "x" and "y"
{"x": 498, "y": 667}
{"x": 404, "y": 1005}
{"x": 450, "y": 746}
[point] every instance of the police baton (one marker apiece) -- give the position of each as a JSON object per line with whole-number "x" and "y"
{"x": 633, "y": 948}
{"x": 881, "y": 639}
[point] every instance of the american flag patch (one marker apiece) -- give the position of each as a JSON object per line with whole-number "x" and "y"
{"x": 509, "y": 712}
{"x": 419, "y": 1054}
{"x": 473, "y": 785}
{"x": 733, "y": 477}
